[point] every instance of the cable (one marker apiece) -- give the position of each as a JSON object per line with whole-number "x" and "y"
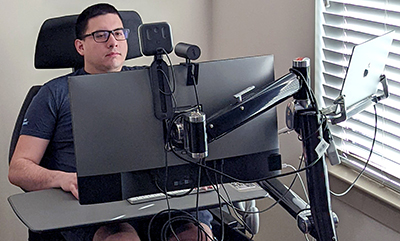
{"x": 198, "y": 196}
{"x": 168, "y": 82}
{"x": 189, "y": 219}
{"x": 307, "y": 238}
{"x": 309, "y": 90}
{"x": 166, "y": 191}
{"x": 185, "y": 216}
{"x": 169, "y": 86}
{"x": 220, "y": 209}
{"x": 288, "y": 189}
{"x": 216, "y": 188}
{"x": 196, "y": 93}
{"x": 284, "y": 165}
{"x": 244, "y": 224}
{"x": 172, "y": 70}
{"x": 235, "y": 209}
{"x": 366, "y": 163}
{"x": 227, "y": 202}
{"x": 173, "y": 86}
{"x": 245, "y": 181}
{"x": 311, "y": 135}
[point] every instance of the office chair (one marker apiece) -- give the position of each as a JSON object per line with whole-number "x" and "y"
{"x": 55, "y": 49}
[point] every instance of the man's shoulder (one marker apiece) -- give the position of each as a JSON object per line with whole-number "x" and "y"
{"x": 62, "y": 81}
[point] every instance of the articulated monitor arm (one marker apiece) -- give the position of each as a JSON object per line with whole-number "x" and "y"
{"x": 316, "y": 218}
{"x": 250, "y": 105}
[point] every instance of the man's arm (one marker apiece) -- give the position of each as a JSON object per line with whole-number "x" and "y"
{"x": 25, "y": 171}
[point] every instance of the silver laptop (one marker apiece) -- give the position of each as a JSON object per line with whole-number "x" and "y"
{"x": 366, "y": 65}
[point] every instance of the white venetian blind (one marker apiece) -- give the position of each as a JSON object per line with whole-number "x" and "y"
{"x": 338, "y": 28}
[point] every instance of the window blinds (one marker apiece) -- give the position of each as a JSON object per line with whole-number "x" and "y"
{"x": 338, "y": 28}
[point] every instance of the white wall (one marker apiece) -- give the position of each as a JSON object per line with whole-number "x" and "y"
{"x": 222, "y": 28}
{"x": 242, "y": 28}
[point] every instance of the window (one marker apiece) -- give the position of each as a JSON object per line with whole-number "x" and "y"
{"x": 338, "y": 28}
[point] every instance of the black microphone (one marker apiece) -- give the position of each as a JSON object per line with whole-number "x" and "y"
{"x": 187, "y": 51}
{"x": 195, "y": 141}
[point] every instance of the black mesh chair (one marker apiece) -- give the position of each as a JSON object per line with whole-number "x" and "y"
{"x": 55, "y": 49}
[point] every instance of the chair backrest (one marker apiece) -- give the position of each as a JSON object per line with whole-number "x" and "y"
{"x": 55, "y": 44}
{"x": 55, "y": 49}
{"x": 20, "y": 118}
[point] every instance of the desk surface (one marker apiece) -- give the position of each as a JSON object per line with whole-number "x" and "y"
{"x": 54, "y": 209}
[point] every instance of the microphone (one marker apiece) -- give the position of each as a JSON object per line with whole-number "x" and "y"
{"x": 195, "y": 141}
{"x": 187, "y": 51}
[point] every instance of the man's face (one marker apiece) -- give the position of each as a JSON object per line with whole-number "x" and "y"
{"x": 102, "y": 57}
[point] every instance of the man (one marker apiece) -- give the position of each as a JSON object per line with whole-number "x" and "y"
{"x": 46, "y": 135}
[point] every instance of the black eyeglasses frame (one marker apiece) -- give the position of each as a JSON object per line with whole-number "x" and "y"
{"x": 126, "y": 32}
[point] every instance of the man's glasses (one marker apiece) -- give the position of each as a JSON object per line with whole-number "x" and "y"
{"x": 102, "y": 36}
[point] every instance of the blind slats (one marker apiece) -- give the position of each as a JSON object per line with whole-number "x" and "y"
{"x": 375, "y": 4}
{"x": 345, "y": 24}
{"x": 350, "y": 139}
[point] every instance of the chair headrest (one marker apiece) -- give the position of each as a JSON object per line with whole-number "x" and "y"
{"x": 55, "y": 44}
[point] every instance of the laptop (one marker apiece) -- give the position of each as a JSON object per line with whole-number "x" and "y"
{"x": 367, "y": 64}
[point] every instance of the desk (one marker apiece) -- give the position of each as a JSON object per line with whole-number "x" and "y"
{"x": 54, "y": 209}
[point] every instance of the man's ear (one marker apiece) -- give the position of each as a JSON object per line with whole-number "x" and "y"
{"x": 79, "y": 46}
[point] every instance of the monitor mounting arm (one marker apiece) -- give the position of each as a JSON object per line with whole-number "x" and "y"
{"x": 316, "y": 218}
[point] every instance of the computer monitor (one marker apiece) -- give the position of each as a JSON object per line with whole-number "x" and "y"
{"x": 120, "y": 144}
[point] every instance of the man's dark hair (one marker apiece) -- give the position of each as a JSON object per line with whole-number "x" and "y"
{"x": 91, "y": 12}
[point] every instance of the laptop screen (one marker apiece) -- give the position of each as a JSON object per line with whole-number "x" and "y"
{"x": 366, "y": 65}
